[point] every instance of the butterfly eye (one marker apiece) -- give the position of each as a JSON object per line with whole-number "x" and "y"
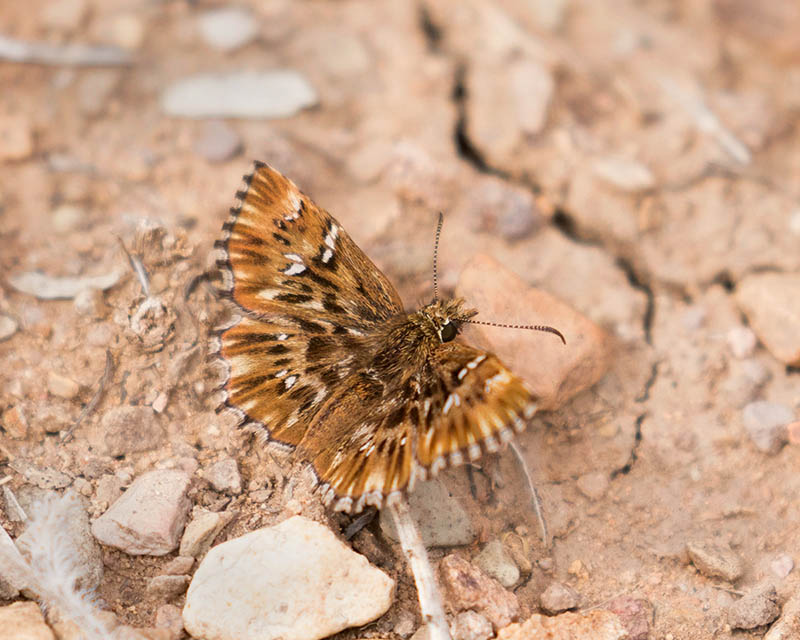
{"x": 448, "y": 332}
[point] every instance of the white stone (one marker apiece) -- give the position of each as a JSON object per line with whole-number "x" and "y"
{"x": 228, "y": 28}
{"x": 766, "y": 424}
{"x": 278, "y": 93}
{"x": 742, "y": 342}
{"x": 624, "y": 174}
{"x": 496, "y": 561}
{"x": 7, "y": 328}
{"x": 293, "y": 581}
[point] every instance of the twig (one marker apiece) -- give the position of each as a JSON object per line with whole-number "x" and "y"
{"x": 76, "y": 55}
{"x": 430, "y": 600}
{"x": 535, "y": 499}
{"x": 101, "y": 387}
{"x": 138, "y": 269}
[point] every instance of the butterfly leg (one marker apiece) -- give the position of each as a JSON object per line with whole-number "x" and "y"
{"x": 535, "y": 499}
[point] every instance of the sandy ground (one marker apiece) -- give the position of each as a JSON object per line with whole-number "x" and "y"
{"x": 645, "y": 157}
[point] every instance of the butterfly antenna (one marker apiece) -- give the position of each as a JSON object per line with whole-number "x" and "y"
{"x": 436, "y": 258}
{"x": 532, "y": 327}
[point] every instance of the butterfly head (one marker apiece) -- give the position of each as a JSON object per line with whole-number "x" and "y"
{"x": 443, "y": 318}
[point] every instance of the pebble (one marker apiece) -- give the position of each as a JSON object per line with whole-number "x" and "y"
{"x": 179, "y": 565}
{"x": 469, "y": 625}
{"x": 71, "y": 538}
{"x": 782, "y": 565}
{"x": 168, "y": 617}
{"x": 744, "y": 381}
{"x": 201, "y": 532}
{"x": 554, "y": 372}
{"x": 293, "y": 580}
{"x": 24, "y": 621}
{"x": 765, "y": 423}
{"x": 15, "y": 422}
{"x": 62, "y": 386}
{"x": 66, "y": 218}
{"x": 166, "y": 588}
{"x": 497, "y": 563}
{"x": 441, "y": 519}
{"x": 16, "y": 138}
{"x": 715, "y": 562}
{"x": 95, "y": 88}
{"x": 109, "y": 489}
{"x": 755, "y": 609}
{"x": 558, "y": 597}
{"x": 594, "y": 625}
{"x": 127, "y": 30}
{"x": 624, "y": 174}
{"x": 405, "y": 624}
{"x": 278, "y": 93}
{"x": 470, "y": 588}
{"x": 64, "y": 15}
{"x": 593, "y": 485}
{"x": 127, "y": 429}
{"x": 8, "y": 327}
{"x": 224, "y": 476}
{"x": 771, "y": 302}
{"x": 42, "y": 477}
{"x": 636, "y": 614}
{"x": 742, "y": 342}
{"x": 498, "y": 206}
{"x": 228, "y": 28}
{"x": 149, "y": 517}
{"x": 218, "y": 141}
{"x": 47, "y": 287}
{"x": 788, "y": 625}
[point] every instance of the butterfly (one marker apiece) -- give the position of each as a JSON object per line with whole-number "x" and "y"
{"x": 321, "y": 357}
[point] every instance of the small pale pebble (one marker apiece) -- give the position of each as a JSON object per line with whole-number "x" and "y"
{"x": 624, "y": 174}
{"x": 593, "y": 484}
{"x": 788, "y": 625}
{"x": 160, "y": 403}
{"x": 224, "y": 476}
{"x": 636, "y": 614}
{"x": 179, "y": 565}
{"x": 47, "y": 287}
{"x": 755, "y": 609}
{"x": 714, "y": 561}
{"x": 127, "y": 30}
{"x": 218, "y": 141}
{"x": 694, "y": 318}
{"x": 558, "y": 597}
{"x": 90, "y": 303}
{"x": 7, "y": 328}
{"x": 62, "y": 386}
{"x": 83, "y": 486}
{"x": 593, "y": 625}
{"x": 127, "y": 429}
{"x": 16, "y": 138}
{"x": 15, "y": 423}
{"x": 201, "y": 531}
{"x": 164, "y": 588}
{"x": 793, "y": 432}
{"x": 782, "y": 565}
{"x": 64, "y": 15}
{"x": 405, "y": 624}
{"x": 742, "y": 342}
{"x": 766, "y": 424}
{"x": 168, "y": 616}
{"x": 227, "y": 28}
{"x": 67, "y": 218}
{"x": 469, "y": 625}
{"x": 24, "y": 621}
{"x": 497, "y": 563}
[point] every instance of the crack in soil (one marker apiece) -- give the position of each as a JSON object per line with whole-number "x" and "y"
{"x": 430, "y": 30}
{"x": 634, "y": 455}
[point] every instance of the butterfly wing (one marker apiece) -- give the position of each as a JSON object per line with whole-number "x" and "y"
{"x": 308, "y": 298}
{"x": 375, "y": 437}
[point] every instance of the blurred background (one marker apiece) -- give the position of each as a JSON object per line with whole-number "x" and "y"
{"x": 636, "y": 158}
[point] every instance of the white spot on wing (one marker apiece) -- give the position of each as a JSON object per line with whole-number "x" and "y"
{"x": 327, "y": 255}
{"x": 462, "y": 373}
{"x": 282, "y": 336}
{"x": 289, "y": 382}
{"x": 476, "y": 362}
{"x": 281, "y": 373}
{"x": 452, "y": 399}
{"x": 294, "y": 269}
{"x": 293, "y": 257}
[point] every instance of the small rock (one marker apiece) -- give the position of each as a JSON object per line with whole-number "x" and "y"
{"x": 594, "y": 625}
{"x": 149, "y": 517}
{"x": 166, "y": 588}
{"x": 160, "y": 403}
{"x": 554, "y": 372}
{"x": 469, "y": 625}
{"x": 405, "y": 624}
{"x": 498, "y": 564}
{"x": 127, "y": 30}
{"x": 109, "y": 489}
{"x": 744, "y": 381}
{"x": 793, "y": 432}
{"x": 498, "y": 206}
{"x": 16, "y": 138}
{"x": 227, "y": 29}
{"x": 624, "y": 174}
{"x": 168, "y": 617}
{"x": 757, "y": 608}
{"x": 636, "y": 615}
{"x": 42, "y": 477}
{"x": 742, "y": 342}
{"x": 441, "y": 519}
{"x": 787, "y": 627}
{"x": 714, "y": 562}
{"x": 65, "y": 15}
{"x": 293, "y": 580}
{"x": 470, "y": 588}
{"x": 278, "y": 93}
{"x": 62, "y": 386}
{"x": 71, "y": 537}
{"x": 593, "y": 484}
{"x": 15, "y": 423}
{"x": 201, "y": 531}
{"x": 7, "y": 328}
{"x": 127, "y": 429}
{"x": 179, "y": 565}
{"x": 771, "y": 302}
{"x": 558, "y": 597}
{"x": 66, "y": 218}
{"x": 218, "y": 141}
{"x": 90, "y": 303}
{"x": 765, "y": 423}
{"x": 24, "y": 621}
{"x": 95, "y": 88}
{"x": 47, "y": 287}
{"x": 782, "y": 565}
{"x": 224, "y": 476}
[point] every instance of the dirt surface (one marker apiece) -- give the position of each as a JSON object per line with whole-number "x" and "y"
{"x": 635, "y": 159}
